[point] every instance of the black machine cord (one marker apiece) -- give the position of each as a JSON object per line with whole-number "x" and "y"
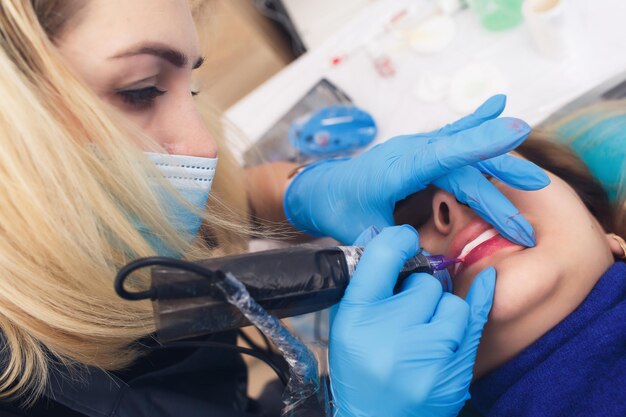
{"x": 153, "y": 292}
{"x": 261, "y": 355}
{"x": 266, "y": 355}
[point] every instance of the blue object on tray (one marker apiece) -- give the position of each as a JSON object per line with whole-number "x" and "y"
{"x": 333, "y": 130}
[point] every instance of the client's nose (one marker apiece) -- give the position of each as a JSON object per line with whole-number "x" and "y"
{"x": 449, "y": 215}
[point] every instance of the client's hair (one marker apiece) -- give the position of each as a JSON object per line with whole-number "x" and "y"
{"x": 597, "y": 133}
{"x": 559, "y": 159}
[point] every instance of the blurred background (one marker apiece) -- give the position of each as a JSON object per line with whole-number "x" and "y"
{"x": 412, "y": 65}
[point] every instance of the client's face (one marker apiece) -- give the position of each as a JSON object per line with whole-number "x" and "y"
{"x": 536, "y": 287}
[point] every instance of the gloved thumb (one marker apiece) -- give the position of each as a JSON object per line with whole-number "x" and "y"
{"x": 377, "y": 272}
{"x": 480, "y": 299}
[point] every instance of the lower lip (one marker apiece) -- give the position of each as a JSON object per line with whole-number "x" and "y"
{"x": 487, "y": 248}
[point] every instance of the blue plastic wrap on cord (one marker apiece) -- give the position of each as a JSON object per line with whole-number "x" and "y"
{"x": 600, "y": 141}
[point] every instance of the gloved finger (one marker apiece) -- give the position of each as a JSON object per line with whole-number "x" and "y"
{"x": 451, "y": 320}
{"x": 470, "y": 187}
{"x": 490, "y": 109}
{"x": 366, "y": 236}
{"x": 516, "y": 172}
{"x": 420, "y": 296}
{"x": 480, "y": 299}
{"x": 383, "y": 258}
{"x": 430, "y": 161}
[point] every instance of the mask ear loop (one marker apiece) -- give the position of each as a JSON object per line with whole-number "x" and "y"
{"x": 621, "y": 243}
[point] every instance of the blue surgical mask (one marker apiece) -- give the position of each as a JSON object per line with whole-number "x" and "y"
{"x": 192, "y": 178}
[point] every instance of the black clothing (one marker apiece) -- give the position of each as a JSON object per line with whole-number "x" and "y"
{"x": 165, "y": 383}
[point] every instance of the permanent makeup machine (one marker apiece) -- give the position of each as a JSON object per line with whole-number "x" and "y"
{"x": 285, "y": 282}
{"x": 209, "y": 296}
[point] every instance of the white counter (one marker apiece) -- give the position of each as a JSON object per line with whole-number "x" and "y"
{"x": 535, "y": 86}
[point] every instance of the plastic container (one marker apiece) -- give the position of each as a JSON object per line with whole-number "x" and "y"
{"x": 496, "y": 15}
{"x": 547, "y": 23}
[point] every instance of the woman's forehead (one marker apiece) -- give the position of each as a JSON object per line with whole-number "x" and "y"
{"x": 110, "y": 27}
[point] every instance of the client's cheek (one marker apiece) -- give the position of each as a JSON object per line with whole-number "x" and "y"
{"x": 524, "y": 283}
{"x": 462, "y": 282}
{"x": 431, "y": 240}
{"x": 503, "y": 262}
{"x": 460, "y": 287}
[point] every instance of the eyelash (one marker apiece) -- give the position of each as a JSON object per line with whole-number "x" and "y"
{"x": 141, "y": 97}
{"x": 144, "y": 97}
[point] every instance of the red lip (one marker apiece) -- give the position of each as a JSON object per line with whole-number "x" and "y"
{"x": 466, "y": 235}
{"x": 487, "y": 248}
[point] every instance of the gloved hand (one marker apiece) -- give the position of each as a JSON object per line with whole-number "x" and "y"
{"x": 409, "y": 354}
{"x": 342, "y": 197}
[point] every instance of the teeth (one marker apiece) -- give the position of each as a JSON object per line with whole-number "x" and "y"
{"x": 484, "y": 236}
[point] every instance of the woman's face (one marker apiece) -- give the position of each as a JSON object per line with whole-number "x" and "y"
{"x": 536, "y": 287}
{"x": 138, "y": 55}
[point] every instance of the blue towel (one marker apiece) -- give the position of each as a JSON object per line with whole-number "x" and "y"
{"x": 578, "y": 368}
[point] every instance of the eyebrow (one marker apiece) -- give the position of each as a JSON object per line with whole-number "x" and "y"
{"x": 173, "y": 56}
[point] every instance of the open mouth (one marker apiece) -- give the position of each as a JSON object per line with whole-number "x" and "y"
{"x": 487, "y": 242}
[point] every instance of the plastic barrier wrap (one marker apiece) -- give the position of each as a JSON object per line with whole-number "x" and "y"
{"x": 285, "y": 282}
{"x": 303, "y": 396}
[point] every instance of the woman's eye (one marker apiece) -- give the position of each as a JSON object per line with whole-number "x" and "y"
{"x": 142, "y": 97}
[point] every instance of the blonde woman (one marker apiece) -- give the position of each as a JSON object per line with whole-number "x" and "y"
{"x": 105, "y": 157}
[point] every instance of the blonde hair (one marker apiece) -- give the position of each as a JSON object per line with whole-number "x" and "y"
{"x": 69, "y": 210}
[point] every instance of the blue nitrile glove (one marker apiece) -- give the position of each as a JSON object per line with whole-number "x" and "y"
{"x": 341, "y": 197}
{"x": 408, "y": 354}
